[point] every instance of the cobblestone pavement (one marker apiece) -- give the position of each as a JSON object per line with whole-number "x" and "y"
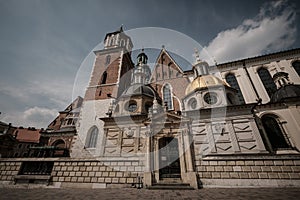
{"x": 112, "y": 194}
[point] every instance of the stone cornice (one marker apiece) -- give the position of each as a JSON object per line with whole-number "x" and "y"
{"x": 260, "y": 59}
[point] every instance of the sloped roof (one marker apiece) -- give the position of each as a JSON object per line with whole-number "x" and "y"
{"x": 27, "y": 135}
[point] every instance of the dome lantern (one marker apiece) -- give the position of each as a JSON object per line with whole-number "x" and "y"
{"x": 200, "y": 67}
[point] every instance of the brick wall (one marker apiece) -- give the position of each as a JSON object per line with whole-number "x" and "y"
{"x": 67, "y": 171}
{"x": 95, "y": 172}
{"x": 83, "y": 172}
{"x": 8, "y": 169}
{"x": 256, "y": 168}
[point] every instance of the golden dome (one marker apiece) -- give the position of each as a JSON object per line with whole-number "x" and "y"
{"x": 204, "y": 82}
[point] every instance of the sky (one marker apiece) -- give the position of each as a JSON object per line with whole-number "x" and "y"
{"x": 44, "y": 44}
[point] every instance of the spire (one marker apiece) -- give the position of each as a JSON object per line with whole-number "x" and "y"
{"x": 121, "y": 28}
{"x": 200, "y": 67}
{"x": 142, "y": 71}
{"x": 197, "y": 56}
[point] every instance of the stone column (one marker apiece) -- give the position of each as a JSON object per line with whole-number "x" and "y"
{"x": 181, "y": 150}
{"x": 190, "y": 175}
{"x": 187, "y": 150}
{"x": 148, "y": 168}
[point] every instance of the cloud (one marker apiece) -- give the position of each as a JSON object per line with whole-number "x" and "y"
{"x": 273, "y": 29}
{"x": 30, "y": 106}
{"x": 34, "y": 117}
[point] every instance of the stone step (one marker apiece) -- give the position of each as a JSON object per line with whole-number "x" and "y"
{"x": 171, "y": 175}
{"x": 170, "y": 187}
{"x": 170, "y": 180}
{"x": 171, "y": 184}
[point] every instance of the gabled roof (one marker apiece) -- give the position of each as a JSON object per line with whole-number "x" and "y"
{"x": 164, "y": 51}
{"x": 74, "y": 107}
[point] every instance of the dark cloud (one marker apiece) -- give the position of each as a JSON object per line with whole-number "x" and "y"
{"x": 43, "y": 43}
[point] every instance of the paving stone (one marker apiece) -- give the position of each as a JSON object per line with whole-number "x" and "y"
{"x": 132, "y": 193}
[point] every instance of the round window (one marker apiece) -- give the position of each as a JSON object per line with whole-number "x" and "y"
{"x": 211, "y": 98}
{"x": 193, "y": 103}
{"x": 131, "y": 106}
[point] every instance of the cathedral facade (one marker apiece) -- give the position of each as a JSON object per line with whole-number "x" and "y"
{"x": 234, "y": 124}
{"x": 229, "y": 124}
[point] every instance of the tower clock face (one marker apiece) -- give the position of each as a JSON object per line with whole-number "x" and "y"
{"x": 210, "y": 98}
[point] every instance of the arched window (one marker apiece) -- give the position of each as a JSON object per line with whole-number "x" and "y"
{"x": 92, "y": 136}
{"x": 59, "y": 143}
{"x": 104, "y": 77}
{"x": 107, "y": 60}
{"x": 267, "y": 80}
{"x": 274, "y": 132}
{"x": 231, "y": 80}
{"x": 168, "y": 96}
{"x": 296, "y": 65}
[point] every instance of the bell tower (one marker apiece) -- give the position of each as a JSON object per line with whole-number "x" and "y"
{"x": 109, "y": 78}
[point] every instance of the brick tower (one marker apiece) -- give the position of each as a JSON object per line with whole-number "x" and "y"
{"x": 110, "y": 76}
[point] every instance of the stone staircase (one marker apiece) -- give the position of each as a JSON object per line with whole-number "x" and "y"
{"x": 171, "y": 184}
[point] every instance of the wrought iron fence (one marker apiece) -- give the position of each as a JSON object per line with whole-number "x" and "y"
{"x": 36, "y": 168}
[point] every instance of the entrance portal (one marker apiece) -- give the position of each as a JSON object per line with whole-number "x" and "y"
{"x": 169, "y": 165}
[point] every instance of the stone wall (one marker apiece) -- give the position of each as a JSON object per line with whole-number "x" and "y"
{"x": 78, "y": 172}
{"x": 8, "y": 169}
{"x": 264, "y": 169}
{"x": 96, "y": 172}
{"x": 222, "y": 171}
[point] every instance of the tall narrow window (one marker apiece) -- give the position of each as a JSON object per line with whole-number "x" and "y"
{"x": 274, "y": 132}
{"x": 296, "y": 66}
{"x": 92, "y": 136}
{"x": 231, "y": 80}
{"x": 104, "y": 77}
{"x": 122, "y": 43}
{"x": 107, "y": 60}
{"x": 168, "y": 96}
{"x": 267, "y": 80}
{"x": 111, "y": 42}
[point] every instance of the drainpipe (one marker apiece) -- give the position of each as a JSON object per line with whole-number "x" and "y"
{"x": 252, "y": 84}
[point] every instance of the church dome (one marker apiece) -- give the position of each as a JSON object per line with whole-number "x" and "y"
{"x": 139, "y": 89}
{"x": 204, "y": 82}
{"x": 286, "y": 91}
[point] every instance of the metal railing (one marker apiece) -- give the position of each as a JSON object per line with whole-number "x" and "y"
{"x": 36, "y": 168}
